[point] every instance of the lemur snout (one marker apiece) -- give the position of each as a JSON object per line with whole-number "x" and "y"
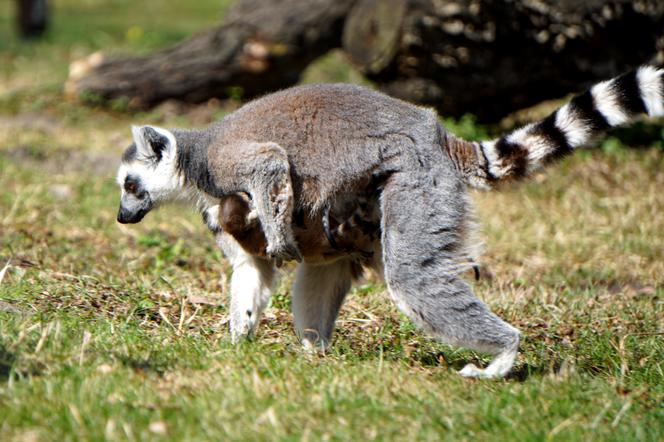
{"x": 131, "y": 217}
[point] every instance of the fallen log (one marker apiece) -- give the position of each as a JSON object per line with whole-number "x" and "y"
{"x": 485, "y": 57}
{"x": 262, "y": 46}
{"x": 493, "y": 57}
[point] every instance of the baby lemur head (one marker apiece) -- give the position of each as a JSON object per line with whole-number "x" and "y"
{"x": 148, "y": 173}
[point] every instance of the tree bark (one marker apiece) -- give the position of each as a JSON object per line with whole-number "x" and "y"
{"x": 485, "y": 57}
{"x": 493, "y": 57}
{"x": 262, "y": 46}
{"x": 31, "y": 17}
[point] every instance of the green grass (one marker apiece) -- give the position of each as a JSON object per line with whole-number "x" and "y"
{"x": 120, "y": 333}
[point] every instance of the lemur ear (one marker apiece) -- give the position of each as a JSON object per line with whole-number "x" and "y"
{"x": 152, "y": 141}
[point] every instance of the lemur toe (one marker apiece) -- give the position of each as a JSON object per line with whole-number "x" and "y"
{"x": 284, "y": 253}
{"x": 472, "y": 371}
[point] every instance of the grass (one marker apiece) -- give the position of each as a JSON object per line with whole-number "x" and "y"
{"x": 120, "y": 333}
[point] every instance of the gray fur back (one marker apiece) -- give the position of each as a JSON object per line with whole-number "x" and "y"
{"x": 335, "y": 135}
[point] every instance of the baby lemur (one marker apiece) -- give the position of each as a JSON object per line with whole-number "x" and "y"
{"x": 308, "y": 152}
{"x": 319, "y": 239}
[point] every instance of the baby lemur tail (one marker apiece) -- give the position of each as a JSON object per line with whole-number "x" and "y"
{"x": 516, "y": 155}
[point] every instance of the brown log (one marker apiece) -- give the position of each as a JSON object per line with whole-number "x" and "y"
{"x": 371, "y": 33}
{"x": 490, "y": 57}
{"x": 262, "y": 46}
{"x": 31, "y": 17}
{"x": 485, "y": 57}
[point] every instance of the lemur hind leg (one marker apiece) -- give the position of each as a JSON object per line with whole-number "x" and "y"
{"x": 318, "y": 292}
{"x": 423, "y": 221}
{"x": 250, "y": 286}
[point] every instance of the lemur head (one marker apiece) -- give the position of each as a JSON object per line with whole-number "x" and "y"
{"x": 148, "y": 173}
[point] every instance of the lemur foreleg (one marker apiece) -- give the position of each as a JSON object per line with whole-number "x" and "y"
{"x": 267, "y": 169}
{"x": 250, "y": 286}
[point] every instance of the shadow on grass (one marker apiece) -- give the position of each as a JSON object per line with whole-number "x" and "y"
{"x": 523, "y": 372}
{"x": 640, "y": 134}
{"x": 8, "y": 365}
{"x": 143, "y": 365}
{"x": 7, "y": 361}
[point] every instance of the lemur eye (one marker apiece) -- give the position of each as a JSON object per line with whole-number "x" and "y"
{"x": 130, "y": 187}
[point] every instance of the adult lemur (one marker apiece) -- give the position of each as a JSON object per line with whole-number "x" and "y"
{"x": 303, "y": 155}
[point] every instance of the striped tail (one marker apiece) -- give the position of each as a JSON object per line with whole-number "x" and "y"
{"x": 608, "y": 104}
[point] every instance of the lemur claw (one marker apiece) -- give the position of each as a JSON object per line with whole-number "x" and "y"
{"x": 287, "y": 252}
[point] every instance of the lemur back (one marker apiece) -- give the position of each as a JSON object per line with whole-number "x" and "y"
{"x": 336, "y": 137}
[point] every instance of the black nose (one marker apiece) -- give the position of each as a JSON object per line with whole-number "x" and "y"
{"x": 128, "y": 217}
{"x": 134, "y": 212}
{"x": 123, "y": 216}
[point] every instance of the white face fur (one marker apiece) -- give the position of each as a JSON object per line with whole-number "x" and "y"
{"x": 147, "y": 175}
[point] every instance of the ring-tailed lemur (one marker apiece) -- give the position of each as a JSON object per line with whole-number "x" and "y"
{"x": 332, "y": 141}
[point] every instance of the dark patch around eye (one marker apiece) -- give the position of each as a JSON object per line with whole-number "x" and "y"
{"x": 131, "y": 184}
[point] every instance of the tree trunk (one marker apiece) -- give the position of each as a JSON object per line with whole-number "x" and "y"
{"x": 485, "y": 57}
{"x": 31, "y": 17}
{"x": 262, "y": 46}
{"x": 493, "y": 57}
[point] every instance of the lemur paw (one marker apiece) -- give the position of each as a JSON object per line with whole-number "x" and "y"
{"x": 313, "y": 348}
{"x": 471, "y": 371}
{"x": 474, "y": 372}
{"x": 242, "y": 329}
{"x": 283, "y": 252}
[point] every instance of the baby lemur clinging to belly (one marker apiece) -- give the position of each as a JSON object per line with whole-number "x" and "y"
{"x": 350, "y": 231}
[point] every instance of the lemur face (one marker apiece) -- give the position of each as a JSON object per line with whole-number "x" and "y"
{"x": 147, "y": 175}
{"x": 135, "y": 201}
